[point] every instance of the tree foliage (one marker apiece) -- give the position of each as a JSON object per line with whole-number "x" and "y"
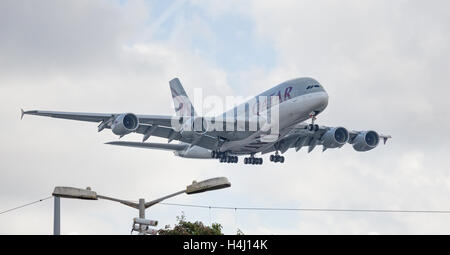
{"x": 184, "y": 227}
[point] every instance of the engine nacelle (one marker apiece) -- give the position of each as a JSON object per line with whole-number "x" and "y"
{"x": 335, "y": 137}
{"x": 194, "y": 127}
{"x": 194, "y": 152}
{"x": 366, "y": 141}
{"x": 124, "y": 124}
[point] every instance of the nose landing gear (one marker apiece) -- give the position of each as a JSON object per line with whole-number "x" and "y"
{"x": 312, "y": 126}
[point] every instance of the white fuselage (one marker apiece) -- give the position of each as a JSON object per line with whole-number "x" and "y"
{"x": 295, "y": 101}
{"x": 291, "y": 112}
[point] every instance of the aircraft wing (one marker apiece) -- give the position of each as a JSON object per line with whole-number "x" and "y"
{"x": 301, "y": 136}
{"x": 161, "y": 120}
{"x": 205, "y": 141}
{"x": 92, "y": 117}
{"x": 158, "y": 146}
{"x": 149, "y": 125}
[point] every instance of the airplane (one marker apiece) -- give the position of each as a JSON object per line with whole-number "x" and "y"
{"x": 245, "y": 130}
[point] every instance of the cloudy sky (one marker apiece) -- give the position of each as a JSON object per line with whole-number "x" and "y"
{"x": 385, "y": 65}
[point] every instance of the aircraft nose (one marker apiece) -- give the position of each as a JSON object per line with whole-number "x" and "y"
{"x": 325, "y": 99}
{"x": 322, "y": 101}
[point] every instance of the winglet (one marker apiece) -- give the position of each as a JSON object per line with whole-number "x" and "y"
{"x": 21, "y": 113}
{"x": 385, "y": 138}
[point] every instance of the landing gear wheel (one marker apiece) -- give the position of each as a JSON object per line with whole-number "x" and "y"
{"x": 224, "y": 157}
{"x": 276, "y": 158}
{"x": 253, "y": 161}
{"x": 312, "y": 126}
{"x": 217, "y": 154}
{"x": 230, "y": 159}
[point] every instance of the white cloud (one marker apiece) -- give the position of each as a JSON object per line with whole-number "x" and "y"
{"x": 39, "y": 154}
{"x": 384, "y": 65}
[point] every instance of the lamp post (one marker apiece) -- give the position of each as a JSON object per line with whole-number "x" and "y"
{"x": 139, "y": 224}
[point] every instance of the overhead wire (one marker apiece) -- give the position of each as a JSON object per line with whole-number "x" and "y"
{"x": 28, "y": 204}
{"x": 269, "y": 208}
{"x": 311, "y": 209}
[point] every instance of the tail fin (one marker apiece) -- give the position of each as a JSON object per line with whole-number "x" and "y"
{"x": 183, "y": 106}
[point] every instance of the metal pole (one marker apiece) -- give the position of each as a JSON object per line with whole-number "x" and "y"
{"x": 141, "y": 214}
{"x": 57, "y": 216}
{"x": 148, "y": 204}
{"x": 142, "y": 208}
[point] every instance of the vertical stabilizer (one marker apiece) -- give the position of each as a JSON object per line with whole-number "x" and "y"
{"x": 182, "y": 104}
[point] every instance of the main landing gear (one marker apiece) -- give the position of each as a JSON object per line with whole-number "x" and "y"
{"x": 276, "y": 158}
{"x": 223, "y": 157}
{"x": 253, "y": 161}
{"x": 229, "y": 159}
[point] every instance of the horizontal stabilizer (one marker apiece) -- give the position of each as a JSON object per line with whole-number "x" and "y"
{"x": 157, "y": 146}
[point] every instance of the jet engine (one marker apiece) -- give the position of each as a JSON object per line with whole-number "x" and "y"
{"x": 194, "y": 127}
{"x": 365, "y": 141}
{"x": 124, "y": 124}
{"x": 335, "y": 137}
{"x": 194, "y": 152}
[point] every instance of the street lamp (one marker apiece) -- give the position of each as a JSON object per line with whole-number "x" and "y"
{"x": 88, "y": 194}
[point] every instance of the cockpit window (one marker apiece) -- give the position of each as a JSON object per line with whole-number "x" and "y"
{"x": 313, "y": 86}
